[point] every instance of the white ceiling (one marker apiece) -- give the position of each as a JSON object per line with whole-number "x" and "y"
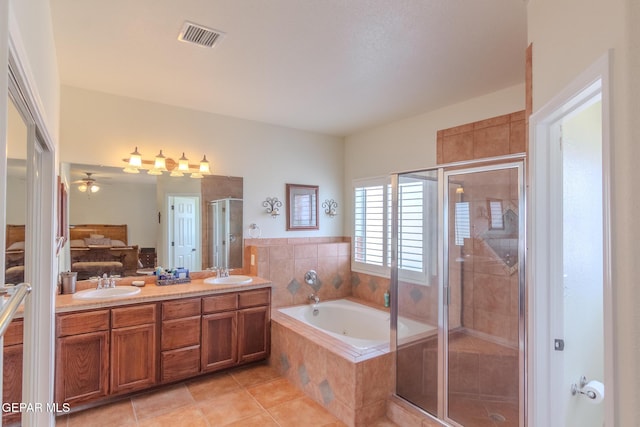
{"x": 328, "y": 66}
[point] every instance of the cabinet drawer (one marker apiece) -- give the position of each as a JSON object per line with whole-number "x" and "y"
{"x": 224, "y": 302}
{"x": 180, "y": 333}
{"x": 132, "y": 316}
{"x": 181, "y": 363}
{"x": 81, "y": 323}
{"x": 254, "y": 298}
{"x": 14, "y": 332}
{"x": 180, "y": 308}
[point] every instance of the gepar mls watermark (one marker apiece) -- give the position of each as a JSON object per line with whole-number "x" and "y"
{"x": 23, "y": 407}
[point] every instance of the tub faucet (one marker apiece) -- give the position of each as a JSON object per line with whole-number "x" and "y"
{"x": 316, "y": 300}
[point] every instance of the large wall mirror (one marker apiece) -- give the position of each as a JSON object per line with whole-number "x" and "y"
{"x": 127, "y": 224}
{"x": 16, "y": 206}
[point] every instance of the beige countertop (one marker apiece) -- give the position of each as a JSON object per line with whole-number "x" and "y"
{"x": 151, "y": 292}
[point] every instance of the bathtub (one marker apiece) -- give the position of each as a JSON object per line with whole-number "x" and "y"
{"x": 358, "y": 325}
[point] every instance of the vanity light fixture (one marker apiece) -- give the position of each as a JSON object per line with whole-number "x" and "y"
{"x": 272, "y": 204}
{"x": 161, "y": 164}
{"x": 330, "y": 207}
{"x": 135, "y": 159}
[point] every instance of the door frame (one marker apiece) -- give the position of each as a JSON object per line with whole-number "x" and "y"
{"x": 542, "y": 233}
{"x": 39, "y": 306}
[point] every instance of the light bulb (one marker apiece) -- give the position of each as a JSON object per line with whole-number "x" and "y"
{"x": 204, "y": 166}
{"x": 160, "y": 163}
{"x": 183, "y": 164}
{"x": 135, "y": 160}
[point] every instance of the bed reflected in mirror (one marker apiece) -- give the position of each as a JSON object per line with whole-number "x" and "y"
{"x": 16, "y": 206}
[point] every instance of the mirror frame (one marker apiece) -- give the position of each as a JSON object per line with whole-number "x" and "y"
{"x": 308, "y": 218}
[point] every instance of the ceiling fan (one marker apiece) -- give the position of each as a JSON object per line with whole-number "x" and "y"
{"x": 87, "y": 184}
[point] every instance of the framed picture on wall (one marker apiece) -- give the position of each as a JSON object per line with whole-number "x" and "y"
{"x": 302, "y": 207}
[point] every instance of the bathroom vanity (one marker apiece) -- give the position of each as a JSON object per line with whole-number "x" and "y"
{"x": 164, "y": 334}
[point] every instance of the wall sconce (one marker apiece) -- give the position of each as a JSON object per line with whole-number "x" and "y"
{"x": 330, "y": 207}
{"x": 272, "y": 204}
{"x": 164, "y": 164}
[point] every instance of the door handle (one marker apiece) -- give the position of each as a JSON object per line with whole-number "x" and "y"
{"x": 193, "y": 250}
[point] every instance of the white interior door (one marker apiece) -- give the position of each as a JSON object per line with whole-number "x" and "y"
{"x": 184, "y": 237}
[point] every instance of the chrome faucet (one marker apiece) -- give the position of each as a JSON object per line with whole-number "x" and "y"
{"x": 315, "y": 299}
{"x": 221, "y": 272}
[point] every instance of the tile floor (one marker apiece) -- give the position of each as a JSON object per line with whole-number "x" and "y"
{"x": 249, "y": 396}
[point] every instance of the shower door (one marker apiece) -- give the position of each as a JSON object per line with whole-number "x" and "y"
{"x": 465, "y": 366}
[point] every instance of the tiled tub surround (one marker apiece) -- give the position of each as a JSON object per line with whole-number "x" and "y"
{"x": 285, "y": 261}
{"x": 353, "y": 384}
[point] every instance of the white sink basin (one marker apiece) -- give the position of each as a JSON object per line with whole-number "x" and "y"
{"x": 230, "y": 280}
{"x": 106, "y": 293}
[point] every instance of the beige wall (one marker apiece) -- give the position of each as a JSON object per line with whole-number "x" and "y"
{"x": 34, "y": 31}
{"x": 97, "y": 128}
{"x": 410, "y": 144}
{"x": 567, "y": 37}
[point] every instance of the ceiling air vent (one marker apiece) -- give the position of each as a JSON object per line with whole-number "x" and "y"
{"x": 199, "y": 35}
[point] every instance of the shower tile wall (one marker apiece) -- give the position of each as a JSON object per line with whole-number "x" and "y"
{"x": 484, "y": 292}
{"x": 495, "y": 136}
{"x": 285, "y": 261}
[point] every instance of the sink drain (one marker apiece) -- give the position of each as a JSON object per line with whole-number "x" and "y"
{"x": 497, "y": 418}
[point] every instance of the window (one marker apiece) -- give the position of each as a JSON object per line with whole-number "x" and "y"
{"x": 371, "y": 232}
{"x": 417, "y": 199}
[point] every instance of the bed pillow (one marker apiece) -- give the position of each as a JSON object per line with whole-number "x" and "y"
{"x": 105, "y": 241}
{"x": 16, "y": 246}
{"x": 96, "y": 236}
{"x": 77, "y": 243}
{"x": 117, "y": 243}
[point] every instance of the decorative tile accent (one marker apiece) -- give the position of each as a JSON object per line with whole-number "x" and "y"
{"x": 327, "y": 393}
{"x": 416, "y": 294}
{"x": 293, "y": 286}
{"x": 302, "y": 373}
{"x": 284, "y": 362}
{"x": 373, "y": 285}
{"x": 355, "y": 280}
{"x": 337, "y": 281}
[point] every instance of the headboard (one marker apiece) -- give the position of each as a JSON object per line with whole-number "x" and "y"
{"x": 15, "y": 233}
{"x": 112, "y": 231}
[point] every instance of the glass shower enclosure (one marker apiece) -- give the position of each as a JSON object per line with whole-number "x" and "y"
{"x": 225, "y": 233}
{"x": 458, "y": 269}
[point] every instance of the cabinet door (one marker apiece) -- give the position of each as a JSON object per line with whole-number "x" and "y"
{"x": 12, "y": 380}
{"x": 219, "y": 341}
{"x": 179, "y": 364}
{"x": 82, "y": 367}
{"x": 253, "y": 334}
{"x": 133, "y": 358}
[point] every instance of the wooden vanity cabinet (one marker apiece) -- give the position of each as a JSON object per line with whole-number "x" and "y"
{"x": 253, "y": 325}
{"x": 235, "y": 329}
{"x": 12, "y": 369}
{"x": 219, "y": 332}
{"x": 82, "y": 356}
{"x": 105, "y": 352}
{"x": 133, "y": 348}
{"x": 180, "y": 339}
